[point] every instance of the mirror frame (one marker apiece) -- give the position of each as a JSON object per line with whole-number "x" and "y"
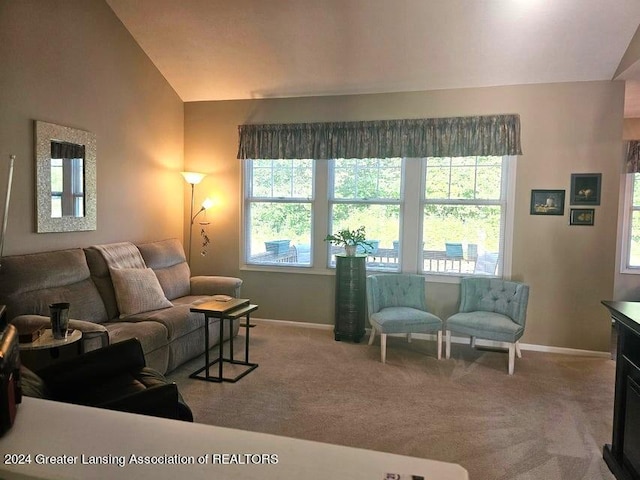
{"x": 44, "y": 134}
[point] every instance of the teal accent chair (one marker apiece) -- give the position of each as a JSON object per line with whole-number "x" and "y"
{"x": 397, "y": 305}
{"x": 491, "y": 309}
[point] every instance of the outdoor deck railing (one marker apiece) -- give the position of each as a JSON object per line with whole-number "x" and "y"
{"x": 433, "y": 260}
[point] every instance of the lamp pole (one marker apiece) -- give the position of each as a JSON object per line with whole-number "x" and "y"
{"x": 12, "y": 159}
{"x": 193, "y": 186}
{"x": 192, "y": 178}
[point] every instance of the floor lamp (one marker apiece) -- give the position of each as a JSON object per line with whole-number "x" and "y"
{"x": 12, "y": 159}
{"x": 192, "y": 178}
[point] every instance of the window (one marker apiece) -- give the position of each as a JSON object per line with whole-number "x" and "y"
{"x": 445, "y": 216}
{"x": 631, "y": 225}
{"x": 368, "y": 192}
{"x": 67, "y": 187}
{"x": 464, "y": 206}
{"x": 278, "y": 210}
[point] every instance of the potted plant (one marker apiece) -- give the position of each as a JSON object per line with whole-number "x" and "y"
{"x": 350, "y": 240}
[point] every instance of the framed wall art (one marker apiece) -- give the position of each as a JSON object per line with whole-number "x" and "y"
{"x": 585, "y": 188}
{"x": 581, "y": 216}
{"x": 547, "y": 202}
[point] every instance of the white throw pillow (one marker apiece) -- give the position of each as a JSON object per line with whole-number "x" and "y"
{"x": 137, "y": 290}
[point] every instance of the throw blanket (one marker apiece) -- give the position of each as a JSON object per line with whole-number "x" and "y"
{"x": 122, "y": 255}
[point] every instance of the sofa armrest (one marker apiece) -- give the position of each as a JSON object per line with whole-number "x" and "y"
{"x": 94, "y": 335}
{"x": 215, "y": 285}
{"x": 92, "y": 367}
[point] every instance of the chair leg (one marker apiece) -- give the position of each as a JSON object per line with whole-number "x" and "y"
{"x": 383, "y": 347}
{"x": 373, "y": 335}
{"x": 518, "y": 352}
{"x": 408, "y": 337}
{"x": 473, "y": 342}
{"x": 439, "y": 344}
{"x": 512, "y": 357}
{"x": 447, "y": 346}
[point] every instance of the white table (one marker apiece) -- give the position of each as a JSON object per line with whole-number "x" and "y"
{"x": 46, "y": 341}
{"x": 45, "y": 349}
{"x": 48, "y": 430}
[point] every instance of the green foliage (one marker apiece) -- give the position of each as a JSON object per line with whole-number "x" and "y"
{"x": 292, "y": 219}
{"x": 453, "y": 185}
{"x": 348, "y": 237}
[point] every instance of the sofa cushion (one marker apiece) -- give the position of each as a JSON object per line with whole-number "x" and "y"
{"x": 102, "y": 279}
{"x": 29, "y": 283}
{"x": 178, "y": 320}
{"x": 167, "y": 259}
{"x": 153, "y": 337}
{"x": 137, "y": 290}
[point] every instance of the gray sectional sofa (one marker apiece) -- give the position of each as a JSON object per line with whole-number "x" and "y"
{"x": 170, "y": 335}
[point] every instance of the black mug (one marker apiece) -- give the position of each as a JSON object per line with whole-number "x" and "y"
{"x": 59, "y": 314}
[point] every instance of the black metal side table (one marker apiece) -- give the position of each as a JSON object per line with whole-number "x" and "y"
{"x": 225, "y": 311}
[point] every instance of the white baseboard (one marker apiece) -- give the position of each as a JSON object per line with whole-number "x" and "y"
{"x": 482, "y": 343}
{"x": 291, "y": 323}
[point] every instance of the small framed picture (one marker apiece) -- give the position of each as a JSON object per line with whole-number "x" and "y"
{"x": 585, "y": 188}
{"x": 581, "y": 216}
{"x": 547, "y": 202}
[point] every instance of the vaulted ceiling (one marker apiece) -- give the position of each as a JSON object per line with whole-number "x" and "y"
{"x": 238, "y": 49}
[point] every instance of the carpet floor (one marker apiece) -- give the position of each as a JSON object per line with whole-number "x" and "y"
{"x": 548, "y": 421}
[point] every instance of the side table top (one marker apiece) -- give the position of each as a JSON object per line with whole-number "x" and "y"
{"x": 46, "y": 340}
{"x": 220, "y": 306}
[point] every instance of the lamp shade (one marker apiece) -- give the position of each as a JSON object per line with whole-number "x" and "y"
{"x": 208, "y": 203}
{"x": 193, "y": 177}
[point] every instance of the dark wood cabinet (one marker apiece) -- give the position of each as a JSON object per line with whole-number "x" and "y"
{"x": 623, "y": 454}
{"x": 351, "y": 300}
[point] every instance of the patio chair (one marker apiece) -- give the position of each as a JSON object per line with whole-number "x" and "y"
{"x": 491, "y": 309}
{"x": 486, "y": 264}
{"x": 453, "y": 252}
{"x": 396, "y": 305}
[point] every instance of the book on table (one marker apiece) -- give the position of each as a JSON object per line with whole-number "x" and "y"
{"x": 30, "y": 334}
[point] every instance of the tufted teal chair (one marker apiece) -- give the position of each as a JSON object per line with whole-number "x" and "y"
{"x": 397, "y": 305}
{"x": 492, "y": 309}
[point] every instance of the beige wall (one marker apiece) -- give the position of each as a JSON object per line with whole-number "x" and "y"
{"x": 94, "y": 77}
{"x": 566, "y": 128}
{"x": 72, "y": 62}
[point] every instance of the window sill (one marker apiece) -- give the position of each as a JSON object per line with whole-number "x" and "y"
{"x": 276, "y": 269}
{"x": 453, "y": 279}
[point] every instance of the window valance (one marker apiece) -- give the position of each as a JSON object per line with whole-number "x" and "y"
{"x": 633, "y": 157}
{"x": 66, "y": 150}
{"x": 431, "y": 137}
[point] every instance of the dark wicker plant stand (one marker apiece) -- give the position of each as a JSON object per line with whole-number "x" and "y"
{"x": 350, "y": 297}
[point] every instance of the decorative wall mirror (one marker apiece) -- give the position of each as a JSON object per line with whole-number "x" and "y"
{"x": 65, "y": 179}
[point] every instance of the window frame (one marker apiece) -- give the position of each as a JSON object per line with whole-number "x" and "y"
{"x": 249, "y": 199}
{"x": 411, "y": 222}
{"x": 72, "y": 195}
{"x": 628, "y": 188}
{"x": 507, "y": 198}
{"x": 332, "y": 201}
